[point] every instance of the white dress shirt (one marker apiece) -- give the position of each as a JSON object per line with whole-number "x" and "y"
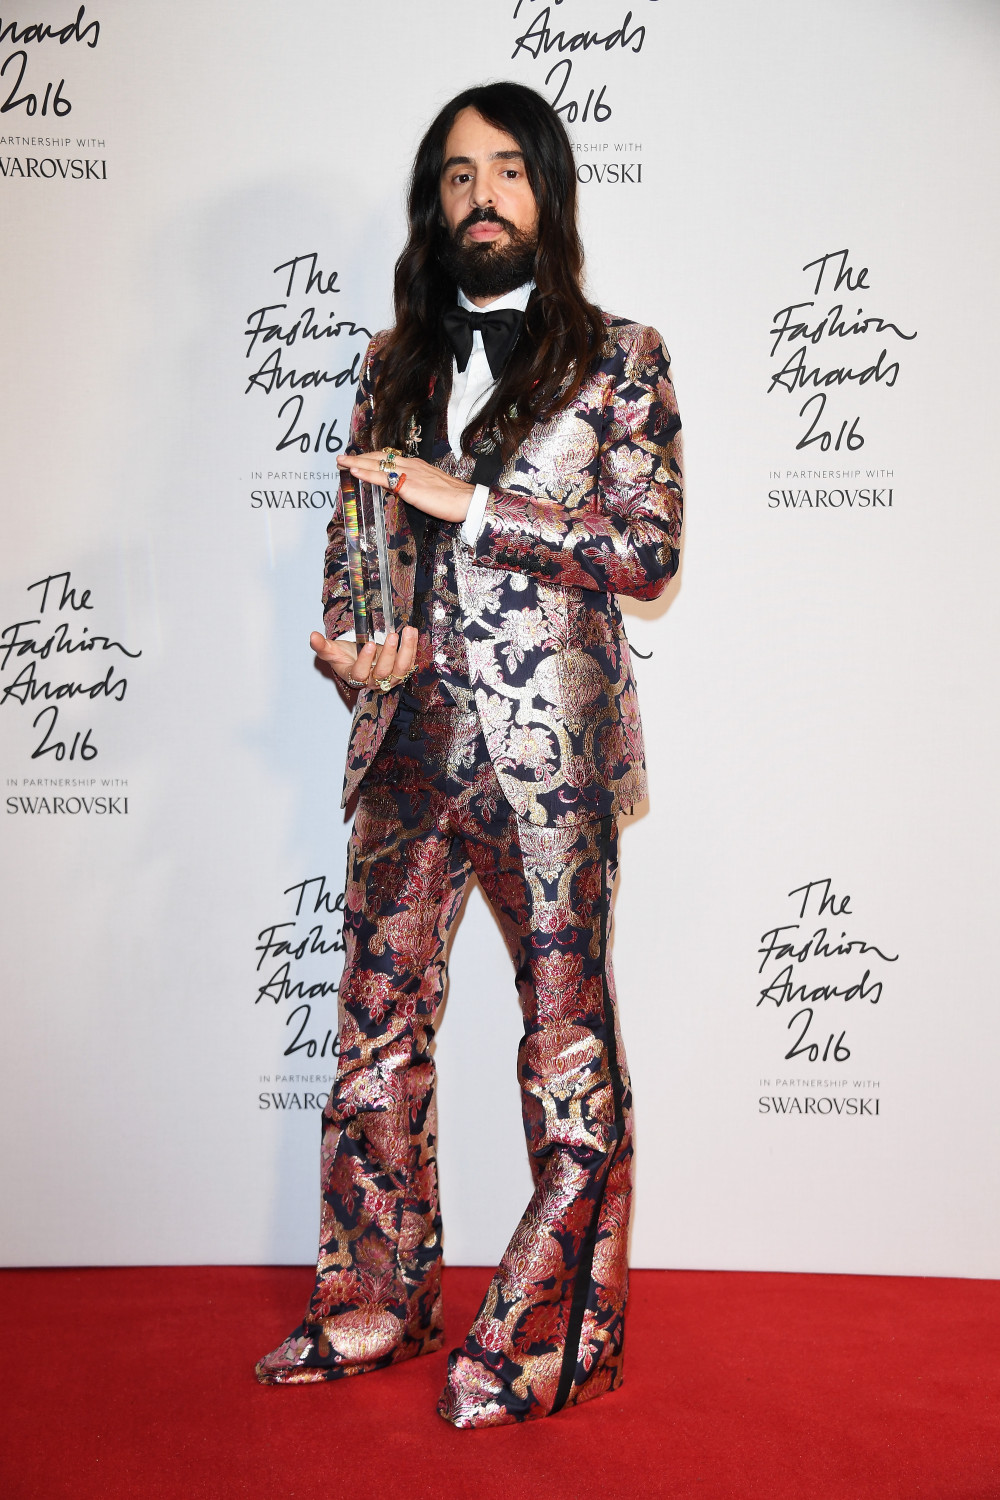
{"x": 471, "y": 388}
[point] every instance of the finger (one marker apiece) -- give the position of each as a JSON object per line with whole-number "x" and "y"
{"x": 334, "y": 655}
{"x": 384, "y": 660}
{"x": 369, "y": 462}
{"x": 369, "y": 466}
{"x": 407, "y": 653}
{"x": 369, "y": 474}
{"x": 348, "y": 460}
{"x": 360, "y": 667}
{"x": 376, "y": 456}
{"x": 332, "y": 650}
{"x": 385, "y": 664}
{"x": 393, "y": 666}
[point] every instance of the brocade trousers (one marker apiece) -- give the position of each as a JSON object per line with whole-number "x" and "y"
{"x": 550, "y": 1330}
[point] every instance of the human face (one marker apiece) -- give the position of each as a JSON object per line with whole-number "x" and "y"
{"x": 488, "y": 206}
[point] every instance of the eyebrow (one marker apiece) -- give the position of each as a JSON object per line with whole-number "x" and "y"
{"x": 468, "y": 161}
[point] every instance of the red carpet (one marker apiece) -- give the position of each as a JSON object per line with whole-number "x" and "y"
{"x": 138, "y": 1382}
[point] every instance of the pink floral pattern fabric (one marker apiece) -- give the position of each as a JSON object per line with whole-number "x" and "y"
{"x": 588, "y": 507}
{"x": 549, "y": 1333}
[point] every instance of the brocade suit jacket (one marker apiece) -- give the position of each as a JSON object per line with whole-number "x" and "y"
{"x": 589, "y": 506}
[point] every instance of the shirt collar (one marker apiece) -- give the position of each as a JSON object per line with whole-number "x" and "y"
{"x": 518, "y": 298}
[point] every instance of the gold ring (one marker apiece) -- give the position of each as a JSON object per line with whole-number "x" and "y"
{"x": 354, "y": 683}
{"x": 385, "y": 683}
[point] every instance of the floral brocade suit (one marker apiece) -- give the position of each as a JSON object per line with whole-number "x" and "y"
{"x": 507, "y": 756}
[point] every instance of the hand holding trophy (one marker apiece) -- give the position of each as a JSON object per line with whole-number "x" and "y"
{"x": 384, "y": 654}
{"x": 380, "y": 659}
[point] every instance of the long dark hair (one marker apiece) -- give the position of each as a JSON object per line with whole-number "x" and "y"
{"x": 562, "y": 331}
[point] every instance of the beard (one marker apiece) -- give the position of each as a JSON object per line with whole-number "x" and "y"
{"x": 488, "y": 269}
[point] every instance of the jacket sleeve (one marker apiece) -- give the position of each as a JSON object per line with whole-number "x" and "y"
{"x": 624, "y": 537}
{"x": 338, "y": 615}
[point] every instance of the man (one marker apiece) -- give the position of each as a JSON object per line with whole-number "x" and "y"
{"x": 530, "y": 448}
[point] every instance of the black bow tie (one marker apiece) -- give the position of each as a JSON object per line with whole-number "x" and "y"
{"x": 499, "y": 330}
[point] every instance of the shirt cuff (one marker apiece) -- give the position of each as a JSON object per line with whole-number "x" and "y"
{"x": 473, "y": 523}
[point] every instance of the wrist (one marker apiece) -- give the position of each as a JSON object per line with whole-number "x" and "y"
{"x": 463, "y": 501}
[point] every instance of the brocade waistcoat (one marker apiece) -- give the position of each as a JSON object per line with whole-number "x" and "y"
{"x": 441, "y": 675}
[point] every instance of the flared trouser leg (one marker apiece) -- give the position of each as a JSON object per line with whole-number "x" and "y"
{"x": 377, "y": 1295}
{"x": 550, "y": 1330}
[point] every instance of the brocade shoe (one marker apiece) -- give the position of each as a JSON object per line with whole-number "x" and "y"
{"x": 350, "y": 1343}
{"x": 476, "y": 1395}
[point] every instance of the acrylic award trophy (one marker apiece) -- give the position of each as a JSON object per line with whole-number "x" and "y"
{"x": 367, "y": 559}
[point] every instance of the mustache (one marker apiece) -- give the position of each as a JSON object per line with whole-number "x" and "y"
{"x": 485, "y": 215}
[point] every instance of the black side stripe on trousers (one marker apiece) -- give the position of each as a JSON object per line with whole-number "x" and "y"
{"x": 581, "y": 1286}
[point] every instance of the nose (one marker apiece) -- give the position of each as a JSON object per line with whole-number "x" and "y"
{"x": 482, "y": 192}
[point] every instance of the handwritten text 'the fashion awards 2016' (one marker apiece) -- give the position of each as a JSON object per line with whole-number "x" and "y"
{"x": 22, "y": 94}
{"x": 800, "y": 337}
{"x": 546, "y": 36}
{"x": 294, "y": 956}
{"x": 308, "y": 321}
{"x": 802, "y": 953}
{"x": 39, "y": 650}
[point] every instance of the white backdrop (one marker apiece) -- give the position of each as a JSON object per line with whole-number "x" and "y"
{"x": 819, "y": 704}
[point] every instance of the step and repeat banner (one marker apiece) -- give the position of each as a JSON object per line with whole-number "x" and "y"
{"x": 200, "y": 208}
